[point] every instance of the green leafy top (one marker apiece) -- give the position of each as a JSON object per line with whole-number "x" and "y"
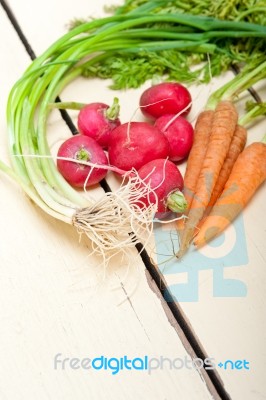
{"x": 189, "y": 62}
{"x": 235, "y": 10}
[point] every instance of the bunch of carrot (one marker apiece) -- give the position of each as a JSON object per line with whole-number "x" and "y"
{"x": 221, "y": 174}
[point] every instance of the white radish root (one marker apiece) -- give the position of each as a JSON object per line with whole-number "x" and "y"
{"x": 119, "y": 220}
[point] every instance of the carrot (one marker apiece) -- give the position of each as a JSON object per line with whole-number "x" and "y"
{"x": 196, "y": 156}
{"x": 195, "y": 159}
{"x": 248, "y": 173}
{"x": 223, "y": 127}
{"x": 237, "y": 145}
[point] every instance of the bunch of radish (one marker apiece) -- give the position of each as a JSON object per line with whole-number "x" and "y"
{"x": 151, "y": 148}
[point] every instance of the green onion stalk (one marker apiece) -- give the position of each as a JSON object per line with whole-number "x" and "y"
{"x": 115, "y": 223}
{"x": 176, "y": 64}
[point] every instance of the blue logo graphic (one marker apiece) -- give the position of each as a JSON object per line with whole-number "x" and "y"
{"x": 144, "y": 363}
{"x": 234, "y": 365}
{"x": 229, "y": 250}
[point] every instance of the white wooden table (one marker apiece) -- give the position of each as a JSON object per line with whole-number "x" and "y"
{"x": 55, "y": 303}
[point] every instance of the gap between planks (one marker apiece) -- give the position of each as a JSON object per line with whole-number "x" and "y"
{"x": 156, "y": 282}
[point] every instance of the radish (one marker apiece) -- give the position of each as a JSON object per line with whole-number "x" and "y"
{"x": 166, "y": 182}
{"x": 134, "y": 144}
{"x": 179, "y": 133}
{"x": 97, "y": 120}
{"x": 165, "y": 98}
{"x": 81, "y": 148}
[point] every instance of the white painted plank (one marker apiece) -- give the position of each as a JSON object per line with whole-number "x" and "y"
{"x": 210, "y": 315}
{"x": 54, "y": 298}
{"x": 227, "y": 309}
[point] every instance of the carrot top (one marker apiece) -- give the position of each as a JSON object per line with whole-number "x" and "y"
{"x": 250, "y": 74}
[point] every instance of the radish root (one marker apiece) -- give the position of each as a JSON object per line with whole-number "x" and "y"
{"x": 119, "y": 220}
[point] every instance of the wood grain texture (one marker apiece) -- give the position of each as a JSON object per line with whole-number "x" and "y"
{"x": 230, "y": 324}
{"x": 56, "y": 299}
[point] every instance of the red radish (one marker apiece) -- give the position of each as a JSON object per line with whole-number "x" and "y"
{"x": 179, "y": 133}
{"x": 134, "y": 144}
{"x": 165, "y": 98}
{"x": 97, "y": 120}
{"x": 165, "y": 179}
{"x": 81, "y": 148}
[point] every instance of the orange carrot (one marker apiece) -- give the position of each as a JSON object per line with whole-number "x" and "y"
{"x": 223, "y": 127}
{"x": 248, "y": 173}
{"x": 237, "y": 145}
{"x": 197, "y": 153}
{"x": 195, "y": 159}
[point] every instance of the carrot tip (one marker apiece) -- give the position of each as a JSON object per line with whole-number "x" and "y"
{"x": 181, "y": 252}
{"x": 210, "y": 234}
